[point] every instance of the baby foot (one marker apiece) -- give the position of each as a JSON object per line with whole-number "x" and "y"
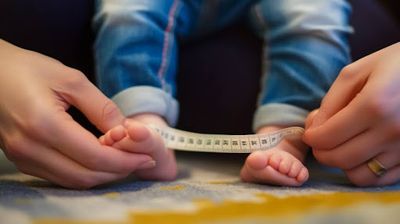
{"x": 138, "y": 138}
{"x": 275, "y": 166}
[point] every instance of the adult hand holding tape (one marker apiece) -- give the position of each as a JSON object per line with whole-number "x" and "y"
{"x": 357, "y": 126}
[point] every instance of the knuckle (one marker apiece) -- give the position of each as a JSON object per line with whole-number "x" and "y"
{"x": 40, "y": 124}
{"x": 381, "y": 110}
{"x": 348, "y": 72}
{"x": 73, "y": 83}
{"x": 393, "y": 131}
{"x": 110, "y": 111}
{"x": 37, "y": 124}
{"x": 15, "y": 149}
{"x": 75, "y": 76}
{"x": 75, "y": 79}
{"x": 377, "y": 106}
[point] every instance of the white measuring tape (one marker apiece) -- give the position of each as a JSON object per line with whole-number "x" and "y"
{"x": 189, "y": 141}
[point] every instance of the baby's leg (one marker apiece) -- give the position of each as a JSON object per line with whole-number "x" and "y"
{"x": 282, "y": 165}
{"x": 135, "y": 136}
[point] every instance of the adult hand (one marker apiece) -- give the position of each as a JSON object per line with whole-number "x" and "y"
{"x": 41, "y": 138}
{"x": 359, "y": 119}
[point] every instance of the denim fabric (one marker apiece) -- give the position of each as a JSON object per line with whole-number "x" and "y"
{"x": 136, "y": 51}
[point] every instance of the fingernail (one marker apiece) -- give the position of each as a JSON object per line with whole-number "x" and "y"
{"x": 147, "y": 165}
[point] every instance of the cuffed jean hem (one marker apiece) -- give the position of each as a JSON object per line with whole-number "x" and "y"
{"x": 278, "y": 114}
{"x": 147, "y": 99}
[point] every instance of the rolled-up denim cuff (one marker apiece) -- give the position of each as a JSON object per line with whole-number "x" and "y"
{"x": 147, "y": 99}
{"x": 278, "y": 114}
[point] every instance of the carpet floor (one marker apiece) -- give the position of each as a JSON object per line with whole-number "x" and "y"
{"x": 208, "y": 190}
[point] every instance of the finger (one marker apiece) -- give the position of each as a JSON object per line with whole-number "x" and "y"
{"x": 341, "y": 93}
{"x": 82, "y": 94}
{"x": 310, "y": 118}
{"x": 42, "y": 161}
{"x": 356, "y": 151}
{"x": 344, "y": 125}
{"x": 36, "y": 170}
{"x": 392, "y": 176}
{"x": 83, "y": 147}
{"x": 390, "y": 158}
{"x": 363, "y": 176}
{"x": 356, "y": 148}
{"x": 348, "y": 84}
{"x": 71, "y": 178}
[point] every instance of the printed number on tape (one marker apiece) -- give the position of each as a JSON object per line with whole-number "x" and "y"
{"x": 189, "y": 141}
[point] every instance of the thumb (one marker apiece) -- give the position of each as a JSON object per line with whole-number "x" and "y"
{"x": 109, "y": 117}
{"x": 86, "y": 97}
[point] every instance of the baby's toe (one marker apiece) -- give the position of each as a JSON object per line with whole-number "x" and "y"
{"x": 303, "y": 175}
{"x": 275, "y": 159}
{"x": 137, "y": 131}
{"x": 257, "y": 160}
{"x": 114, "y": 135}
{"x": 295, "y": 169}
{"x": 285, "y": 165}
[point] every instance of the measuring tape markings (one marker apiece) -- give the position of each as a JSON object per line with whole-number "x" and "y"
{"x": 190, "y": 141}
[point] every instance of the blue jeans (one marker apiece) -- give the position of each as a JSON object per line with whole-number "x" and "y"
{"x": 305, "y": 48}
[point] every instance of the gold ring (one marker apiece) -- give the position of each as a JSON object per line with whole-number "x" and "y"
{"x": 376, "y": 167}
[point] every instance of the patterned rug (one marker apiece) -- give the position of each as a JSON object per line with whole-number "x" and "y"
{"x": 208, "y": 190}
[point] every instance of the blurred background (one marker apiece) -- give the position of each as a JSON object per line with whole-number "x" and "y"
{"x": 62, "y": 29}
